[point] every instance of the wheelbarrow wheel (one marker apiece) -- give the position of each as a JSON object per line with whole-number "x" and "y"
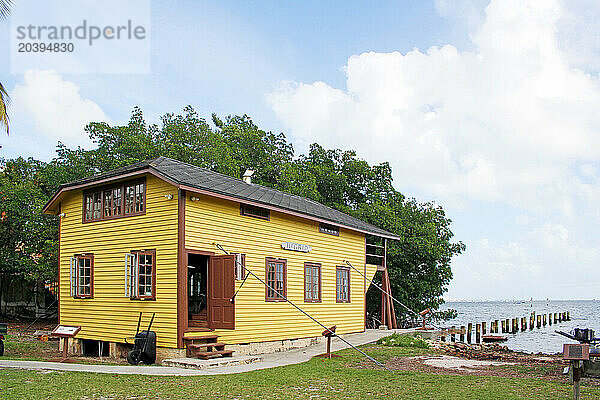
{"x": 133, "y": 357}
{"x": 1, "y": 348}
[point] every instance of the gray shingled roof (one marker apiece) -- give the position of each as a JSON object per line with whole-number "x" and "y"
{"x": 205, "y": 179}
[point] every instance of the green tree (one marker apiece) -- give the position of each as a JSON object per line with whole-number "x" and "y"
{"x": 419, "y": 263}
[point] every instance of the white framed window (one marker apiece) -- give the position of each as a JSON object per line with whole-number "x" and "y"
{"x": 82, "y": 276}
{"x": 140, "y": 275}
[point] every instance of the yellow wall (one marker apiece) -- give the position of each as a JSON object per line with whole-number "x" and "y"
{"x": 214, "y": 220}
{"x": 109, "y": 315}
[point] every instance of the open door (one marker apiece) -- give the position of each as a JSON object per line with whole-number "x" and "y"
{"x": 221, "y": 287}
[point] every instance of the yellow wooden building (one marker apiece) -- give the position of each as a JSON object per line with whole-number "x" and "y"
{"x": 146, "y": 237}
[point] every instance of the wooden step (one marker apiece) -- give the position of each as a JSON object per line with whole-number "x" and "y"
{"x": 208, "y": 346}
{"x": 196, "y": 323}
{"x": 207, "y": 338}
{"x": 207, "y": 355}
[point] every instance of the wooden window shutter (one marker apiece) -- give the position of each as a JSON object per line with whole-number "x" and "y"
{"x": 73, "y": 276}
{"x": 131, "y": 275}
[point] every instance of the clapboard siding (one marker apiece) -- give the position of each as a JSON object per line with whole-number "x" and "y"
{"x": 211, "y": 220}
{"x": 109, "y": 315}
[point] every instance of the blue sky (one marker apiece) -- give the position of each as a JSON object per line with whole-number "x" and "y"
{"x": 488, "y": 108}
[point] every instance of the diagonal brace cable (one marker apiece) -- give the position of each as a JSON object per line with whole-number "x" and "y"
{"x": 304, "y": 312}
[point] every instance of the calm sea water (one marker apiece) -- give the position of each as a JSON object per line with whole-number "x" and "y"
{"x": 584, "y": 314}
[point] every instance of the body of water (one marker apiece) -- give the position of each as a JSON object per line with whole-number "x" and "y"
{"x": 584, "y": 314}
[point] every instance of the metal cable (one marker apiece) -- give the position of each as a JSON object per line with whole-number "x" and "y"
{"x": 390, "y": 296}
{"x": 305, "y": 313}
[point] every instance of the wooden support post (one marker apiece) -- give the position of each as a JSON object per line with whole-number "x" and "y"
{"x": 452, "y": 335}
{"x": 65, "y": 347}
{"x": 478, "y": 333}
{"x": 328, "y": 346}
{"x": 483, "y": 332}
{"x": 462, "y": 333}
{"x": 469, "y": 332}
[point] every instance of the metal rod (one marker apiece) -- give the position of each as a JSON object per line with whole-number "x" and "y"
{"x": 305, "y": 313}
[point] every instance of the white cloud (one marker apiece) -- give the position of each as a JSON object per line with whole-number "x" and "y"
{"x": 512, "y": 123}
{"x": 46, "y": 108}
{"x": 501, "y": 123}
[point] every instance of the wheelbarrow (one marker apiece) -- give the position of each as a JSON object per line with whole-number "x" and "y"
{"x": 144, "y": 345}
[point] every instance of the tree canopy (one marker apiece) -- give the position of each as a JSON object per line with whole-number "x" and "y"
{"x": 418, "y": 264}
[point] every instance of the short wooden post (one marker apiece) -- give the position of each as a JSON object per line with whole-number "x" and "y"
{"x": 478, "y": 333}
{"x": 568, "y": 315}
{"x": 502, "y": 327}
{"x": 483, "y": 332}
{"x": 539, "y": 321}
{"x": 550, "y": 319}
{"x": 544, "y": 319}
{"x": 523, "y": 324}
{"x": 515, "y": 325}
{"x": 462, "y": 333}
{"x": 469, "y": 332}
{"x": 496, "y": 326}
{"x": 555, "y": 318}
{"x": 507, "y": 326}
{"x": 65, "y": 347}
{"x": 452, "y": 335}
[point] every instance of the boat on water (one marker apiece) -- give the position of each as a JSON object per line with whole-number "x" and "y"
{"x": 494, "y": 337}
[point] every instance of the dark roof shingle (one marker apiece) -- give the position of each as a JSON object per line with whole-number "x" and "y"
{"x": 204, "y": 179}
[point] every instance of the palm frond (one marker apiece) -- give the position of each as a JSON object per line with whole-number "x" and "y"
{"x": 5, "y": 7}
{"x": 4, "y": 100}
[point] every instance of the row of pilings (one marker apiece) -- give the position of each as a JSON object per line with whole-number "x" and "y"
{"x": 508, "y": 325}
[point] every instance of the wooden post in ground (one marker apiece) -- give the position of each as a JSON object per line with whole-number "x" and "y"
{"x": 462, "y": 333}
{"x": 452, "y": 336}
{"x": 469, "y": 332}
{"x": 478, "y": 333}
{"x": 483, "y": 328}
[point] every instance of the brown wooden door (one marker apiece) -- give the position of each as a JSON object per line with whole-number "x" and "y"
{"x": 221, "y": 287}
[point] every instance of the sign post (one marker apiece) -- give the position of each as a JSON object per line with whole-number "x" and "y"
{"x": 576, "y": 354}
{"x": 65, "y": 332}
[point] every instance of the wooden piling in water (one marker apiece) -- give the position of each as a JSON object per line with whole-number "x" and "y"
{"x": 568, "y": 315}
{"x": 462, "y": 333}
{"x": 452, "y": 336}
{"x": 469, "y": 332}
{"x": 531, "y": 322}
{"x": 483, "y": 328}
{"x": 539, "y": 321}
{"x": 507, "y": 325}
{"x": 496, "y": 326}
{"x": 550, "y": 319}
{"x": 478, "y": 332}
{"x": 502, "y": 323}
{"x": 544, "y": 319}
{"x": 555, "y": 318}
{"x": 523, "y": 324}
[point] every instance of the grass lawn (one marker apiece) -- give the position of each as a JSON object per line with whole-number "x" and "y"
{"x": 339, "y": 378}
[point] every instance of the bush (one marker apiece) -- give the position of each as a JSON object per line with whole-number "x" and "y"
{"x": 403, "y": 341}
